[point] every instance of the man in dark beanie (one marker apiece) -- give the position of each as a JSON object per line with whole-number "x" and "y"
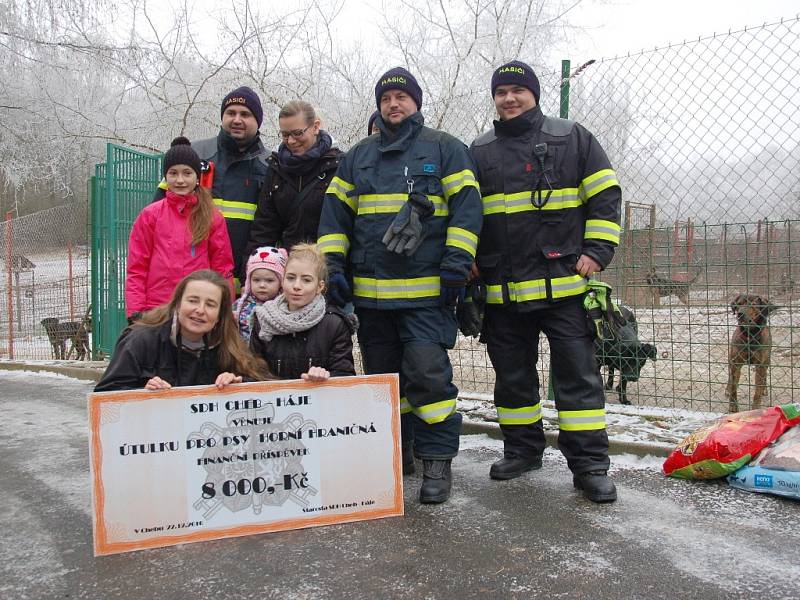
{"x": 399, "y": 228}
{"x": 516, "y": 73}
{"x": 240, "y": 167}
{"x": 558, "y": 224}
{"x": 398, "y": 79}
{"x": 247, "y": 98}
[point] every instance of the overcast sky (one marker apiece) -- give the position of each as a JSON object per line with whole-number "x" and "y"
{"x": 616, "y": 27}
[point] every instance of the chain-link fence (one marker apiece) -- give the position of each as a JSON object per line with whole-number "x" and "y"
{"x": 705, "y": 139}
{"x": 45, "y": 278}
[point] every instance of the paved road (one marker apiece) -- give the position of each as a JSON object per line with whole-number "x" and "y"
{"x": 530, "y": 537}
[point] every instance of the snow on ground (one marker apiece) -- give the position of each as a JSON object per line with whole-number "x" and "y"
{"x": 23, "y": 375}
{"x": 623, "y": 423}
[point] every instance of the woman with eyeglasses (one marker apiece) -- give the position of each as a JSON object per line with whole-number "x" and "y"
{"x": 300, "y": 171}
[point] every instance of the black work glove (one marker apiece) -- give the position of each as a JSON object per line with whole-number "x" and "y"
{"x": 407, "y": 231}
{"x": 469, "y": 312}
{"x": 339, "y": 292}
{"x": 452, "y": 287}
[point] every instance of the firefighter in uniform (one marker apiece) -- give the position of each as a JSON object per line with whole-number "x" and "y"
{"x": 240, "y": 168}
{"x": 551, "y": 206}
{"x": 399, "y": 227}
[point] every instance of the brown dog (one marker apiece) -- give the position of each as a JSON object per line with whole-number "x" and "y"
{"x": 751, "y": 344}
{"x": 670, "y": 287}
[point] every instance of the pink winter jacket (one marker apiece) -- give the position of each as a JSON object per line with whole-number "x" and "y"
{"x": 161, "y": 253}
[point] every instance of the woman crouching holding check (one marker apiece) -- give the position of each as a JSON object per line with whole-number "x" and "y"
{"x": 191, "y": 340}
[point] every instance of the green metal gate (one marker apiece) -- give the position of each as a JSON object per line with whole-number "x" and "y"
{"x": 121, "y": 187}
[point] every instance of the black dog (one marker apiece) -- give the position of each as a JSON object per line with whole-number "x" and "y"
{"x": 624, "y": 352}
{"x": 77, "y": 332}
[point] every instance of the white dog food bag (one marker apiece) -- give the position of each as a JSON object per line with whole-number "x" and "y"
{"x": 776, "y": 469}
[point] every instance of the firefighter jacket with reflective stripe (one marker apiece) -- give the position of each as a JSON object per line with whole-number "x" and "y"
{"x": 238, "y": 176}
{"x": 371, "y": 186}
{"x": 549, "y": 195}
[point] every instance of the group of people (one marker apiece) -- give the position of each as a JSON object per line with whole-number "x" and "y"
{"x": 393, "y": 231}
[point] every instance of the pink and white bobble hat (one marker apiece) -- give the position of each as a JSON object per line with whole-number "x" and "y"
{"x": 265, "y": 257}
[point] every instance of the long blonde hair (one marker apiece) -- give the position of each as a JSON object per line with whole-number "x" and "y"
{"x": 202, "y": 216}
{"x": 234, "y": 356}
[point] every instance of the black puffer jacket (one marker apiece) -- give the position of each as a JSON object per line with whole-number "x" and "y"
{"x": 287, "y": 212}
{"x": 328, "y": 344}
{"x": 146, "y": 352}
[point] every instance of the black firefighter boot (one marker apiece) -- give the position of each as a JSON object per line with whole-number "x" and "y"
{"x": 596, "y": 486}
{"x": 511, "y": 466}
{"x": 436, "y": 481}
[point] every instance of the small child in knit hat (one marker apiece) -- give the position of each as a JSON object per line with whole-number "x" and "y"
{"x": 263, "y": 282}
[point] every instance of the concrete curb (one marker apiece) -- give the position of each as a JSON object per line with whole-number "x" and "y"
{"x": 84, "y": 373}
{"x": 467, "y": 428}
{"x": 614, "y": 446}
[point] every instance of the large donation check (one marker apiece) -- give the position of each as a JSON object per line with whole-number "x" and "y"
{"x": 195, "y": 463}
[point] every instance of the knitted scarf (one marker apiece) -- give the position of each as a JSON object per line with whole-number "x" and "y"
{"x": 275, "y": 318}
{"x": 305, "y": 162}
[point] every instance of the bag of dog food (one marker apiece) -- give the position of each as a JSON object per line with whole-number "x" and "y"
{"x": 776, "y": 470}
{"x": 730, "y": 442}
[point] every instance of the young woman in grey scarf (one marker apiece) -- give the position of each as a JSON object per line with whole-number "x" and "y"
{"x": 297, "y": 334}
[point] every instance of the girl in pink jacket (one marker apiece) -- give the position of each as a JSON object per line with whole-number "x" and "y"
{"x": 175, "y": 236}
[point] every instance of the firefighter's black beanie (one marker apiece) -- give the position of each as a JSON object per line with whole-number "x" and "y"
{"x": 181, "y": 153}
{"x": 398, "y": 79}
{"x": 516, "y": 73}
{"x": 247, "y": 98}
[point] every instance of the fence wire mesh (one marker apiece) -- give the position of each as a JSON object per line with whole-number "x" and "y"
{"x": 704, "y": 138}
{"x": 45, "y": 275}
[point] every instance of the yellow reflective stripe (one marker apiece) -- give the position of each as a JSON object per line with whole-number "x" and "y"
{"x": 597, "y": 182}
{"x": 600, "y": 229}
{"x": 493, "y": 204}
{"x": 405, "y": 407}
{"x": 436, "y": 412}
{"x": 373, "y": 204}
{"x": 439, "y": 206}
{"x": 231, "y": 209}
{"x": 572, "y": 285}
{"x": 462, "y": 238}
{"x": 519, "y": 416}
{"x": 339, "y": 188}
{"x": 582, "y": 420}
{"x": 494, "y": 294}
{"x": 456, "y": 182}
{"x": 333, "y": 242}
{"x": 163, "y": 185}
{"x": 521, "y": 291}
{"x": 536, "y": 289}
{"x": 521, "y": 202}
{"x": 396, "y": 289}
{"x": 370, "y": 204}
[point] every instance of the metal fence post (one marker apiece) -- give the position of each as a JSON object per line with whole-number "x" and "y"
{"x": 110, "y": 202}
{"x": 564, "y": 106}
{"x": 10, "y": 294}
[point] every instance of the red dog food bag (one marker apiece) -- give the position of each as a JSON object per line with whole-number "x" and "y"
{"x": 730, "y": 442}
